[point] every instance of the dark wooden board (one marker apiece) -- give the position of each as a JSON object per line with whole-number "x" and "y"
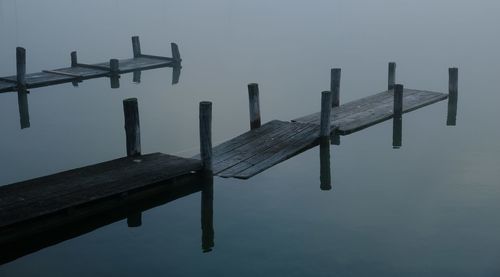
{"x": 261, "y": 148}
{"x": 49, "y": 194}
{"x": 365, "y": 112}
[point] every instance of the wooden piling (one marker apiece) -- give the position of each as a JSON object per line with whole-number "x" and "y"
{"x": 206, "y": 135}
{"x": 21, "y": 67}
{"x": 114, "y": 68}
{"x": 326, "y": 108}
{"x": 132, "y": 127}
{"x": 451, "y": 119}
{"x": 335, "y": 86}
{"x": 253, "y": 101}
{"x": 398, "y": 100}
{"x": 136, "y": 46}
{"x": 74, "y": 59}
{"x": 324, "y": 158}
{"x": 175, "y": 52}
{"x": 392, "y": 76}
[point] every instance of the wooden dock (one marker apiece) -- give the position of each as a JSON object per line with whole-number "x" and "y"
{"x": 78, "y": 71}
{"x": 46, "y": 195}
{"x": 35, "y": 201}
{"x": 259, "y": 149}
{"x": 365, "y": 112}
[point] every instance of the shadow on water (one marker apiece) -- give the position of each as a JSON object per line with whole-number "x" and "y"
{"x": 22, "y": 239}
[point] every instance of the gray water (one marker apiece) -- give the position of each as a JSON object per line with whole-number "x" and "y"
{"x": 426, "y": 209}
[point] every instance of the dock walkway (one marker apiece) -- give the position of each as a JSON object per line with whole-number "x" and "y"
{"x": 78, "y": 71}
{"x": 259, "y": 149}
{"x": 241, "y": 157}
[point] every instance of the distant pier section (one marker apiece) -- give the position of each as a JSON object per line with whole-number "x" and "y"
{"x": 79, "y": 71}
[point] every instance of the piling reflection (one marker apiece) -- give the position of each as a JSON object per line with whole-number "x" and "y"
{"x": 325, "y": 170}
{"x": 397, "y": 132}
{"x": 20, "y": 240}
{"x": 176, "y": 73}
{"x": 22, "y": 101}
{"x": 451, "y": 118}
{"x": 207, "y": 214}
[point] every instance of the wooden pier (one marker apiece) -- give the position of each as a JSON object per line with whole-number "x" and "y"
{"x": 79, "y": 71}
{"x": 34, "y": 201}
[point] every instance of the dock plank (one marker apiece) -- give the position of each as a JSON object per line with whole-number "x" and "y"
{"x": 252, "y": 147}
{"x": 45, "y": 195}
{"x": 281, "y": 150}
{"x": 362, "y": 113}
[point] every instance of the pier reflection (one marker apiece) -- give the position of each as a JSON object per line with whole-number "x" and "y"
{"x": 325, "y": 170}
{"x": 24, "y": 115}
{"x": 451, "y": 117}
{"x": 397, "y": 132}
{"x": 21, "y": 240}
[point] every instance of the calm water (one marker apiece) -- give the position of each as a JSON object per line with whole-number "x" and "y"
{"x": 427, "y": 209}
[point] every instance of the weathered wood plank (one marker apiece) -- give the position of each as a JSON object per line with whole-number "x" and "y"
{"x": 365, "y": 112}
{"x": 264, "y": 141}
{"x": 282, "y": 149}
{"x": 244, "y": 138}
{"x": 384, "y": 112}
{"x": 45, "y": 195}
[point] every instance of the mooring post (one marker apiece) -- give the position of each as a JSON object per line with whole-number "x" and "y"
{"x": 132, "y": 127}
{"x": 74, "y": 63}
{"x": 175, "y": 52}
{"x": 326, "y": 108}
{"x": 335, "y": 86}
{"x": 392, "y": 76}
{"x": 136, "y": 46}
{"x": 114, "y": 68}
{"x": 74, "y": 59}
{"x": 253, "y": 101}
{"x": 206, "y": 136}
{"x": 398, "y": 100}
{"x": 21, "y": 67}
{"x": 207, "y": 214}
{"x": 324, "y": 159}
{"x": 451, "y": 119}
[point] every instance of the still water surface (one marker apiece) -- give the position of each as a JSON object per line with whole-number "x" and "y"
{"x": 426, "y": 209}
